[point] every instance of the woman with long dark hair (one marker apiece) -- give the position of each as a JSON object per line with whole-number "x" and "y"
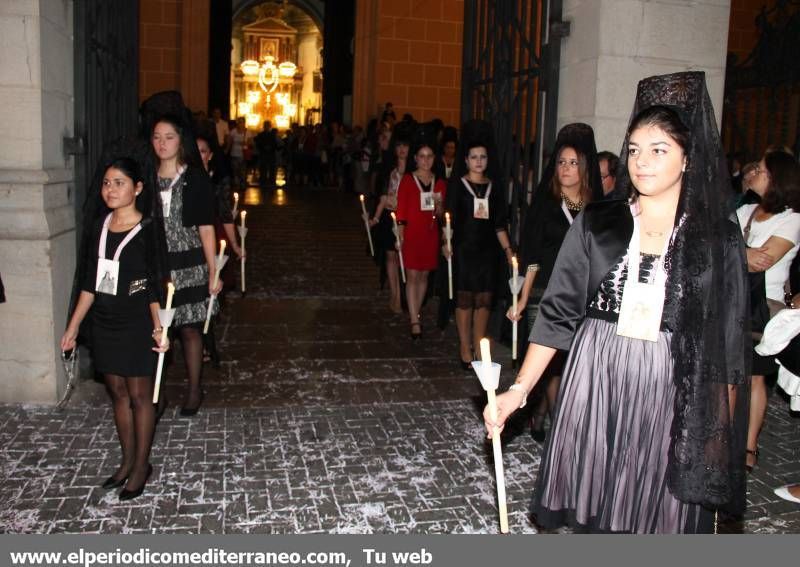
{"x": 388, "y": 185}
{"x": 479, "y": 215}
{"x": 419, "y": 206}
{"x": 771, "y": 230}
{"x": 187, "y": 199}
{"x": 120, "y": 289}
{"x": 570, "y": 181}
{"x": 649, "y": 295}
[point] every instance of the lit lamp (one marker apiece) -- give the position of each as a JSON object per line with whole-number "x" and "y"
{"x": 253, "y": 97}
{"x": 253, "y": 120}
{"x": 244, "y": 108}
{"x": 287, "y": 69}
{"x": 282, "y": 121}
{"x": 250, "y": 67}
{"x": 290, "y": 110}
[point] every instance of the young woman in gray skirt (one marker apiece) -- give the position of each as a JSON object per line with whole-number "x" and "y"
{"x": 649, "y": 295}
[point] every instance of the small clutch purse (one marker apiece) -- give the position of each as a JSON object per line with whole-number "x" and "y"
{"x": 136, "y": 286}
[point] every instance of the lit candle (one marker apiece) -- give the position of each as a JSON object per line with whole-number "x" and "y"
{"x": 220, "y": 262}
{"x": 514, "y": 292}
{"x": 448, "y": 234}
{"x": 399, "y": 247}
{"x": 165, "y": 317}
{"x": 486, "y": 367}
{"x": 235, "y": 203}
{"x": 365, "y": 216}
{"x": 243, "y": 234}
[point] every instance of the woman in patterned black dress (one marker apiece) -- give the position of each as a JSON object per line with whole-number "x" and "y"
{"x": 187, "y": 199}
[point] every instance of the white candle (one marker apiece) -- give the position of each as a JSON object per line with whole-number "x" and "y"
{"x": 243, "y": 232}
{"x": 486, "y": 363}
{"x": 448, "y": 233}
{"x": 514, "y": 325}
{"x": 164, "y": 334}
{"x": 366, "y": 224}
{"x": 399, "y": 247}
{"x": 217, "y": 270}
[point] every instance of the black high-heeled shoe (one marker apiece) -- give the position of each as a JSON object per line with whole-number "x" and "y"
{"x": 112, "y": 483}
{"x": 190, "y": 412}
{"x": 754, "y": 452}
{"x": 537, "y": 430}
{"x": 131, "y": 494}
{"x": 466, "y": 365}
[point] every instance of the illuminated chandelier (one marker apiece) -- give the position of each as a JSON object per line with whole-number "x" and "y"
{"x": 269, "y": 75}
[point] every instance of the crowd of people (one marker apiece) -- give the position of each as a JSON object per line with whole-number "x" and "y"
{"x": 653, "y": 391}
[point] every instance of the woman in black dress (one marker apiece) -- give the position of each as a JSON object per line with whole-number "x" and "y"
{"x": 223, "y": 224}
{"x": 478, "y": 213}
{"x": 571, "y": 179}
{"x": 389, "y": 182}
{"x": 649, "y": 294}
{"x": 187, "y": 200}
{"x": 120, "y": 290}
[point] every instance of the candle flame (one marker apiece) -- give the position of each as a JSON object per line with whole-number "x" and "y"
{"x": 447, "y": 216}
{"x": 393, "y": 216}
{"x": 244, "y": 213}
{"x": 514, "y": 261}
{"x": 361, "y": 197}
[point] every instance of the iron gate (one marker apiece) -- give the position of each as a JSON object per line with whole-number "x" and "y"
{"x": 106, "y": 66}
{"x": 762, "y": 93}
{"x": 510, "y": 79}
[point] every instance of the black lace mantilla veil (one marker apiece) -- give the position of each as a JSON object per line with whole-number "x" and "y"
{"x": 707, "y": 296}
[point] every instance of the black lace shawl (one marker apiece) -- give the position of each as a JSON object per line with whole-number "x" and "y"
{"x": 707, "y": 293}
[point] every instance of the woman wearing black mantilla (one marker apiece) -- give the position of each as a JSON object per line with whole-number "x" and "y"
{"x": 651, "y": 418}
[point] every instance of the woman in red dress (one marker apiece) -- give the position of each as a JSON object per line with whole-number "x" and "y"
{"x": 420, "y": 199}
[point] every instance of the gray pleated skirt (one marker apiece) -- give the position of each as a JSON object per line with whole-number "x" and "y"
{"x": 605, "y": 460}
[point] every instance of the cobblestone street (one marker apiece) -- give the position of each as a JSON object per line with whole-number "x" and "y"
{"x": 322, "y": 417}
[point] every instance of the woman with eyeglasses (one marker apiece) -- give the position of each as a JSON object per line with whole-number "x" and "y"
{"x": 420, "y": 199}
{"x": 771, "y": 231}
{"x": 571, "y": 180}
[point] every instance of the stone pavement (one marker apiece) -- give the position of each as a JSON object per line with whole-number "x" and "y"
{"x": 323, "y": 416}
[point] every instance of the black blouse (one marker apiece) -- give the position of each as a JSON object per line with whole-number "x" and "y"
{"x": 545, "y": 227}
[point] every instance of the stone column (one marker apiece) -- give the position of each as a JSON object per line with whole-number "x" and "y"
{"x": 37, "y": 218}
{"x": 615, "y": 43}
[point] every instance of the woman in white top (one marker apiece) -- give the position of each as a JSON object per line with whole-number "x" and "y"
{"x": 772, "y": 232}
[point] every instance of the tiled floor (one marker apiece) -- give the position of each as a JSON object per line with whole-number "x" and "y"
{"x": 323, "y": 416}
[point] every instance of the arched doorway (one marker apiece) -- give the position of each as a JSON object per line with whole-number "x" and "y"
{"x": 276, "y": 64}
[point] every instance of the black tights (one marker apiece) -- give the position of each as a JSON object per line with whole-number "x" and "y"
{"x": 134, "y": 416}
{"x": 192, "y": 344}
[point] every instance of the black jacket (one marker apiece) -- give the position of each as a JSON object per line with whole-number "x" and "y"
{"x": 542, "y": 235}
{"x": 198, "y": 197}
